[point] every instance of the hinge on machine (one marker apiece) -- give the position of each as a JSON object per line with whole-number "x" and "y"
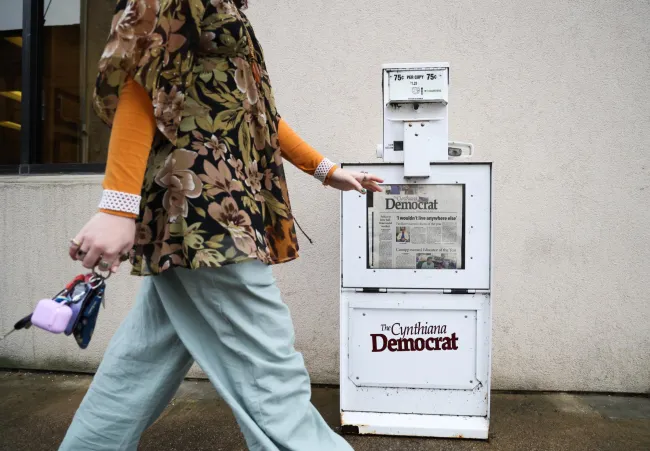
{"x": 458, "y": 291}
{"x": 371, "y": 290}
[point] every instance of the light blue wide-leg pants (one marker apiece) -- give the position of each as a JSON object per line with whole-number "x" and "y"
{"x": 233, "y": 323}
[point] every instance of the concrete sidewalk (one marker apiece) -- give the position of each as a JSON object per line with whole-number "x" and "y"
{"x": 37, "y": 407}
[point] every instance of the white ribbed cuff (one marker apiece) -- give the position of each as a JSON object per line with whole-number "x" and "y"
{"x": 119, "y": 201}
{"x": 323, "y": 169}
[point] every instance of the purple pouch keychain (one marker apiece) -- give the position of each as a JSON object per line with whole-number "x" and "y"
{"x": 52, "y": 316}
{"x": 60, "y": 314}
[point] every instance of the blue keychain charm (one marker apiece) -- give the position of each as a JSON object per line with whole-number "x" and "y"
{"x": 87, "y": 318}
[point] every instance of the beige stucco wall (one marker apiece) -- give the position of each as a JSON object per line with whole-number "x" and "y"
{"x": 555, "y": 93}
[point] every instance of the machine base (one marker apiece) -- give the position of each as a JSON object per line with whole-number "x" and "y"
{"x": 443, "y": 426}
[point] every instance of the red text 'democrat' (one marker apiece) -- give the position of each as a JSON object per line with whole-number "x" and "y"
{"x": 408, "y": 339}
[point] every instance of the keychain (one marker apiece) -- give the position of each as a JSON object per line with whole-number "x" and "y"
{"x": 89, "y": 310}
{"x": 72, "y": 311}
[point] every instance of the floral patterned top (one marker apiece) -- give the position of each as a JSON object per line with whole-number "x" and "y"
{"x": 214, "y": 192}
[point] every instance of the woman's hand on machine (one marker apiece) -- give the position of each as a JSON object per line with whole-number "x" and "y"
{"x": 354, "y": 181}
{"x": 104, "y": 242}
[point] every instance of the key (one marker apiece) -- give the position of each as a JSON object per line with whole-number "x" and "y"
{"x": 7, "y": 334}
{"x": 24, "y": 323}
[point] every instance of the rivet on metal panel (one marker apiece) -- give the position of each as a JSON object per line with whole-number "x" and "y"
{"x": 465, "y": 316}
{"x": 365, "y": 315}
{"x": 422, "y": 124}
{"x": 410, "y": 125}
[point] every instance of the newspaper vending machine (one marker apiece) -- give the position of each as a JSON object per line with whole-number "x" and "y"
{"x": 416, "y": 274}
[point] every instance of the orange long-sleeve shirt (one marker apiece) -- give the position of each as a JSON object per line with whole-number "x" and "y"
{"x": 132, "y": 135}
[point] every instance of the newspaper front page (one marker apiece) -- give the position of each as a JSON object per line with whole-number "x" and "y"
{"x": 416, "y": 227}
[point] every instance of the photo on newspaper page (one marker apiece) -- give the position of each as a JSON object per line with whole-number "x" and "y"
{"x": 416, "y": 227}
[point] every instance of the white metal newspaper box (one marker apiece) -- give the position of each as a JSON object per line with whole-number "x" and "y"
{"x": 416, "y": 278}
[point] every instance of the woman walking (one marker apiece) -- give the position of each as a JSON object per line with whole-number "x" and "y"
{"x": 195, "y": 192}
